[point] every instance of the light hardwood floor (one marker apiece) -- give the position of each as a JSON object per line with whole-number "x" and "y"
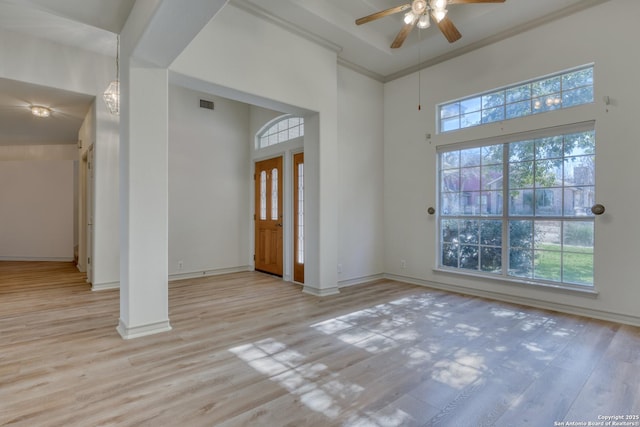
{"x": 247, "y": 349}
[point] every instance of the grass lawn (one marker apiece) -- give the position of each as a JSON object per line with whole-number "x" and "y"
{"x": 576, "y": 267}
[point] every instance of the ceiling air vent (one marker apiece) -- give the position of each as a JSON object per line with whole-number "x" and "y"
{"x": 206, "y": 104}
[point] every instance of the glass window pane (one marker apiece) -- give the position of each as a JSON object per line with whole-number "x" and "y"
{"x": 548, "y": 173}
{"x": 579, "y": 170}
{"x": 521, "y": 175}
{"x": 519, "y": 93}
{"x": 450, "y": 159}
{"x": 470, "y": 157}
{"x": 547, "y": 265}
{"x": 469, "y": 257}
{"x": 548, "y": 202}
{"x": 492, "y": 115}
{"x": 449, "y": 230}
{"x": 521, "y": 151}
{"x": 518, "y": 109}
{"x": 549, "y": 148}
{"x": 263, "y": 195}
{"x": 469, "y": 120}
{"x": 492, "y": 177}
{"x": 492, "y": 154}
{"x": 491, "y": 233}
{"x": 577, "y": 144}
{"x": 521, "y": 263}
{"x": 545, "y": 87}
{"x": 521, "y": 234}
{"x": 450, "y": 255}
{"x": 583, "y": 95}
{"x": 470, "y": 179}
{"x": 450, "y": 110}
{"x": 450, "y": 204}
{"x": 470, "y": 203}
{"x": 494, "y": 99}
{"x": 450, "y": 180}
{"x": 450, "y": 124}
{"x": 577, "y": 268}
{"x": 491, "y": 203}
{"x": 470, "y": 105}
{"x": 469, "y": 231}
{"x": 578, "y": 201}
{"x": 578, "y": 236}
{"x": 578, "y": 78}
{"x": 274, "y": 194}
{"x": 491, "y": 260}
{"x": 547, "y": 235}
{"x": 521, "y": 202}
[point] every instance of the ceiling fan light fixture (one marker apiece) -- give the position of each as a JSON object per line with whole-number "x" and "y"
{"x": 418, "y": 7}
{"x": 409, "y": 17}
{"x": 438, "y": 4}
{"x": 439, "y": 14}
{"x": 40, "y": 111}
{"x": 424, "y": 21}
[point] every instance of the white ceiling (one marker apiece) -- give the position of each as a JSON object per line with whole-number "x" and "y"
{"x": 93, "y": 25}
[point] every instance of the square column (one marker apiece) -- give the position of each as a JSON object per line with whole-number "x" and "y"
{"x": 144, "y": 200}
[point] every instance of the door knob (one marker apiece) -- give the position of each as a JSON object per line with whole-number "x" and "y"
{"x": 278, "y": 225}
{"x": 597, "y": 209}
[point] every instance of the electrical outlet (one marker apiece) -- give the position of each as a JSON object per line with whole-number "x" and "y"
{"x": 180, "y": 265}
{"x": 403, "y": 263}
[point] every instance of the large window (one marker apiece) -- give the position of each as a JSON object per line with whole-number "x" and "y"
{"x": 282, "y": 130}
{"x": 520, "y": 208}
{"x": 561, "y": 90}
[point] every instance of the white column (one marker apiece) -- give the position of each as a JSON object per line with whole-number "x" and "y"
{"x": 144, "y": 307}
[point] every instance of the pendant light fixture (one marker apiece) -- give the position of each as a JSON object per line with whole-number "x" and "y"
{"x": 112, "y": 94}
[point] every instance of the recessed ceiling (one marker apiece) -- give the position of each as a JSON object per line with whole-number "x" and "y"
{"x": 20, "y": 127}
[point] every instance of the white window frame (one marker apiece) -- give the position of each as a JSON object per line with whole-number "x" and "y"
{"x": 537, "y": 104}
{"x": 505, "y": 216}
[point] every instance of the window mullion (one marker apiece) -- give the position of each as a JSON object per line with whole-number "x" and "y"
{"x": 505, "y": 210}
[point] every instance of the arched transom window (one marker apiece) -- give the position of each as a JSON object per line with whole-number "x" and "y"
{"x": 281, "y": 130}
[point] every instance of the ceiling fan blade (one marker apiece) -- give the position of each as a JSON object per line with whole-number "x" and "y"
{"x": 448, "y": 29}
{"x": 475, "y": 1}
{"x": 383, "y": 13}
{"x": 402, "y": 35}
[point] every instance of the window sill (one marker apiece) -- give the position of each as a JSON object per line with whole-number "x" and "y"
{"x": 571, "y": 289}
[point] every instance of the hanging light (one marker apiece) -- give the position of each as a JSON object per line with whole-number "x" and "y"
{"x": 418, "y": 7}
{"x": 439, "y": 9}
{"x": 112, "y": 94}
{"x": 409, "y": 17}
{"x": 424, "y": 21}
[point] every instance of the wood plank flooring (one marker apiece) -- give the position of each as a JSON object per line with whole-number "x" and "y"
{"x": 247, "y": 349}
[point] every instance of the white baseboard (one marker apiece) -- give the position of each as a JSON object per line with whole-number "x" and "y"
{"x": 127, "y": 332}
{"x": 105, "y": 286}
{"x": 34, "y": 259}
{"x": 320, "y": 292}
{"x": 531, "y": 302}
{"x": 206, "y": 273}
{"x": 360, "y": 280}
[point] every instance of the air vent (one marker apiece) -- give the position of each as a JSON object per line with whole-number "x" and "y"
{"x": 206, "y": 104}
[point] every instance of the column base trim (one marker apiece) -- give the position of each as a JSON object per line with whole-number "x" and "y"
{"x": 320, "y": 292}
{"x": 127, "y": 332}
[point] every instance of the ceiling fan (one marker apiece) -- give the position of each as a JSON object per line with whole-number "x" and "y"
{"x": 420, "y": 13}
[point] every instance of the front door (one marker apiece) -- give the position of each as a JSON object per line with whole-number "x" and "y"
{"x": 268, "y": 216}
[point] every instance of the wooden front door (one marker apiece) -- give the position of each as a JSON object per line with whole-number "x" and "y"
{"x": 268, "y": 216}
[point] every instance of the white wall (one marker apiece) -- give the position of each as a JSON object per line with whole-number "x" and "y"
{"x": 209, "y": 183}
{"x": 36, "y": 210}
{"x": 42, "y": 62}
{"x": 410, "y": 161}
{"x": 361, "y": 177}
